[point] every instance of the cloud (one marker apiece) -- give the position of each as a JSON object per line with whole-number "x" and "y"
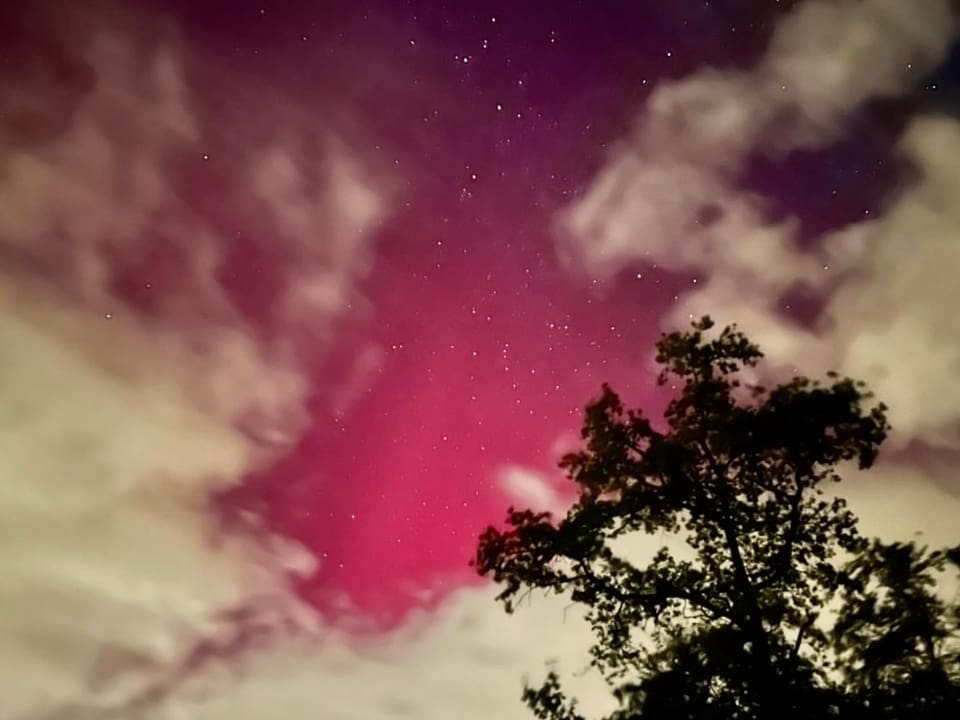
{"x": 135, "y": 383}
{"x": 530, "y": 489}
{"x": 467, "y": 658}
{"x": 670, "y": 196}
{"x": 668, "y": 192}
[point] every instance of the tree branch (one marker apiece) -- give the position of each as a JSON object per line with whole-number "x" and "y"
{"x": 781, "y": 562}
{"x": 668, "y": 590}
{"x": 808, "y": 623}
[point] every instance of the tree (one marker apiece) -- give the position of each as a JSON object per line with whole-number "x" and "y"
{"x": 779, "y": 608}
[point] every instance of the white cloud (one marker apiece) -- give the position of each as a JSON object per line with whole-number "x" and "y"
{"x": 667, "y": 192}
{"x": 528, "y": 488}
{"x": 117, "y": 425}
{"x": 888, "y": 285}
{"x": 669, "y": 197}
{"x": 468, "y": 660}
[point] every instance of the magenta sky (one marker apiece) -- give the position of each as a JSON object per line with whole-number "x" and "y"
{"x": 486, "y": 346}
{"x": 494, "y": 117}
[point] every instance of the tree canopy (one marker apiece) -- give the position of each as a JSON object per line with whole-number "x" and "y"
{"x": 778, "y": 607}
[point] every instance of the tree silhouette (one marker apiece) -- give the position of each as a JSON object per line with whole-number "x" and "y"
{"x": 779, "y": 608}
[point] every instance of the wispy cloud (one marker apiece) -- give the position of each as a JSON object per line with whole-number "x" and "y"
{"x": 126, "y": 407}
{"x": 670, "y": 195}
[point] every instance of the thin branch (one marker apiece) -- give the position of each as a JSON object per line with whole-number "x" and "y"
{"x": 781, "y": 562}
{"x": 808, "y": 623}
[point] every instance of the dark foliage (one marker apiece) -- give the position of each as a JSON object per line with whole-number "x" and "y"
{"x": 779, "y": 608}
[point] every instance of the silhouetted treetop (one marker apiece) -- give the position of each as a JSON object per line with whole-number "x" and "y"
{"x": 778, "y": 606}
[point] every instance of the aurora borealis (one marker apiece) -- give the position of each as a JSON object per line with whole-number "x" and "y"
{"x": 302, "y": 295}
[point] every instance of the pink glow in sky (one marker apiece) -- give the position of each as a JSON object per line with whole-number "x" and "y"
{"x": 481, "y": 353}
{"x": 474, "y": 347}
{"x": 298, "y": 267}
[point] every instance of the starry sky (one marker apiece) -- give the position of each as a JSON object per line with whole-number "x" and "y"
{"x": 489, "y": 345}
{"x": 347, "y": 273}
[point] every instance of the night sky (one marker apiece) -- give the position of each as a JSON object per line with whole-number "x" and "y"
{"x": 490, "y": 345}
{"x": 456, "y": 351}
